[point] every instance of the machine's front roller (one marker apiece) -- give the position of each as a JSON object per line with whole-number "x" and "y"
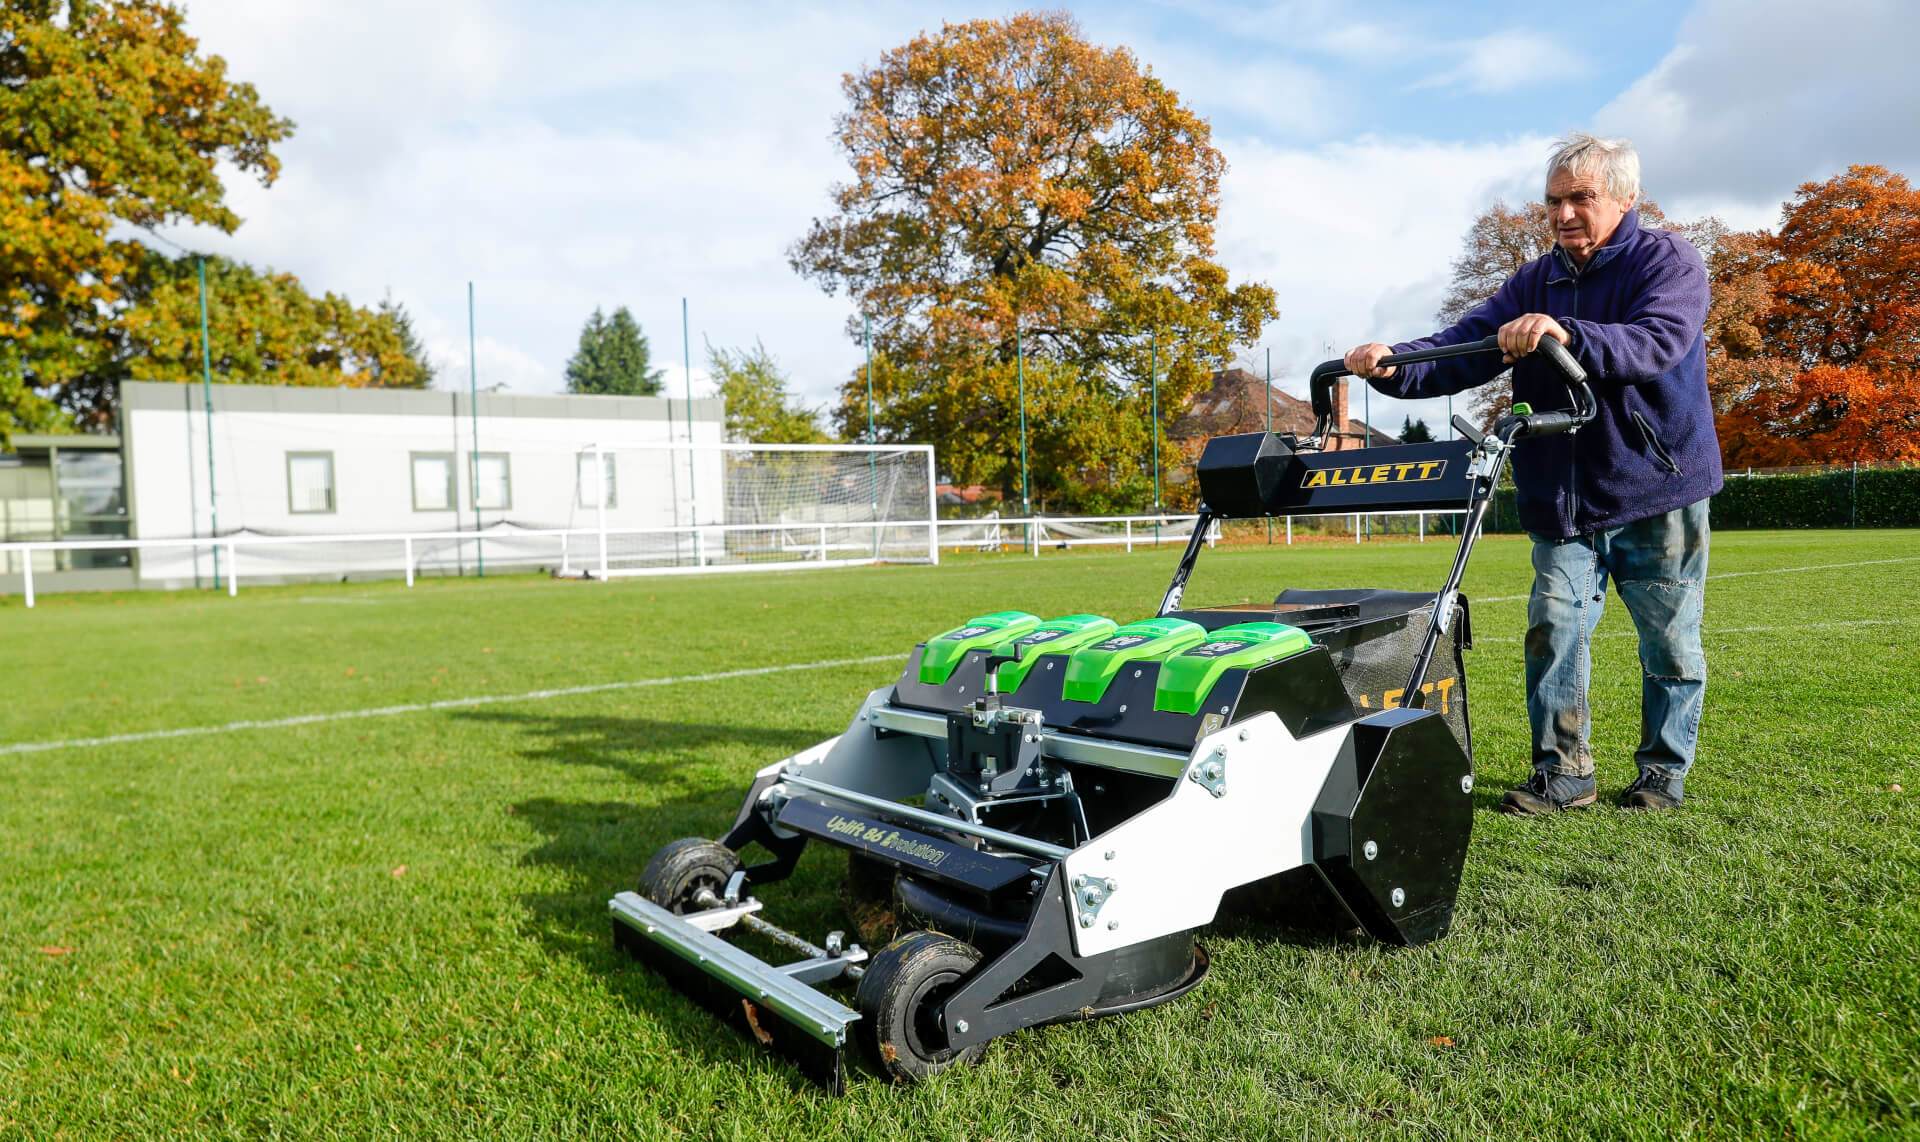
{"x": 693, "y": 889}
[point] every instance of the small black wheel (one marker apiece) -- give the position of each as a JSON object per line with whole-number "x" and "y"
{"x": 899, "y": 1001}
{"x": 681, "y": 869}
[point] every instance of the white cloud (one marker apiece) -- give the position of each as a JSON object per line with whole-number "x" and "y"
{"x": 1757, "y": 97}
{"x": 1500, "y": 62}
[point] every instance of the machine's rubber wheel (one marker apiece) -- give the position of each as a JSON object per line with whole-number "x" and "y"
{"x": 867, "y": 894}
{"x": 681, "y": 868}
{"x": 899, "y": 1002}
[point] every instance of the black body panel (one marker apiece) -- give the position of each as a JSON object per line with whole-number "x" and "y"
{"x": 1403, "y": 787}
{"x": 1062, "y": 985}
{"x": 936, "y": 858}
{"x": 1256, "y": 474}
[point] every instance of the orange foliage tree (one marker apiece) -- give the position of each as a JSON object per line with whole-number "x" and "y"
{"x": 1835, "y": 375}
{"x": 1008, "y": 175}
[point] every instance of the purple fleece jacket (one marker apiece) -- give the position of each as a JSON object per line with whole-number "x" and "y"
{"x": 1636, "y": 312}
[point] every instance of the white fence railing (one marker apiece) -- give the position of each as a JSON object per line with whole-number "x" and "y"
{"x": 591, "y": 552}
{"x": 1031, "y": 533}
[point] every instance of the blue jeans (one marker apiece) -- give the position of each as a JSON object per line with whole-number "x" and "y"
{"x": 1659, "y": 567}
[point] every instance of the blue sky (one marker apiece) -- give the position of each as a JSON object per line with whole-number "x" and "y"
{"x": 568, "y": 155}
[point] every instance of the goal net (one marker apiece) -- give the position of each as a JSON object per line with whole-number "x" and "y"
{"x": 701, "y": 507}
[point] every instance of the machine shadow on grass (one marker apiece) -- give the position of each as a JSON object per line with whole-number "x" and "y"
{"x": 600, "y": 848}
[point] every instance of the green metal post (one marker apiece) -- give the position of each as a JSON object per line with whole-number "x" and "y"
{"x": 873, "y": 466}
{"x": 206, "y": 392}
{"x": 1153, "y": 429}
{"x": 473, "y": 412}
{"x": 1269, "y": 423}
{"x": 1020, "y": 369}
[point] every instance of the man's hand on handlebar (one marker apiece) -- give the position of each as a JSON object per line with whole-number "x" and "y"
{"x": 1520, "y": 336}
{"x": 1364, "y": 361}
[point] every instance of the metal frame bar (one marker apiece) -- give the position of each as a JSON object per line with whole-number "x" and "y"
{"x": 1004, "y": 839}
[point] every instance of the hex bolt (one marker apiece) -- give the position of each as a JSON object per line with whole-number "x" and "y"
{"x": 1466, "y": 783}
{"x": 960, "y": 1025}
{"x": 1086, "y": 921}
{"x": 1220, "y": 789}
{"x": 1399, "y": 897}
{"x": 1095, "y": 896}
{"x": 1112, "y": 885}
{"x": 1136, "y": 674}
{"x": 1370, "y": 850}
{"x": 1245, "y": 734}
{"x": 1113, "y": 925}
{"x": 1123, "y": 707}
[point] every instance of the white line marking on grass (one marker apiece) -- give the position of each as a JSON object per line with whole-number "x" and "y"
{"x": 1706, "y": 631}
{"x": 443, "y": 704}
{"x": 1744, "y": 574}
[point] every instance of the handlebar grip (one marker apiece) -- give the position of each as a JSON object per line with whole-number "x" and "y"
{"x": 1513, "y": 427}
{"x": 1557, "y": 353}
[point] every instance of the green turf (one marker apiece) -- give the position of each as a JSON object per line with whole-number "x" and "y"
{"x": 397, "y": 925}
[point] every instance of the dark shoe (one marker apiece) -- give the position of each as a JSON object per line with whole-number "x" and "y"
{"x": 1653, "y": 791}
{"x": 1549, "y": 793}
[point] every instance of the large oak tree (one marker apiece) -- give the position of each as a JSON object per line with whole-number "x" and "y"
{"x": 113, "y": 121}
{"x": 1011, "y": 180}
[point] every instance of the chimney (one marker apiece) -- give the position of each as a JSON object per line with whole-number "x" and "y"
{"x": 1339, "y": 414}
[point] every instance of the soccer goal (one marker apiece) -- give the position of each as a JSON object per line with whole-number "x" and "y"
{"x": 681, "y": 507}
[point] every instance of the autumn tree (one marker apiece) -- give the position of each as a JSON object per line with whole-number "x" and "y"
{"x": 761, "y": 408}
{"x": 111, "y": 119}
{"x": 1839, "y": 360}
{"x": 263, "y": 327}
{"x": 1015, "y": 187}
{"x": 613, "y": 358}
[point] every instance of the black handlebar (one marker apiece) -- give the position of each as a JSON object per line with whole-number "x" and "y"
{"x": 1320, "y": 384}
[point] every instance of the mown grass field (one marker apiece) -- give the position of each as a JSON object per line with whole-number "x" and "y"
{"x": 396, "y": 925}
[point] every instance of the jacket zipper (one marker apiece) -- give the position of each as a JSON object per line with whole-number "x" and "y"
{"x": 1573, "y": 440}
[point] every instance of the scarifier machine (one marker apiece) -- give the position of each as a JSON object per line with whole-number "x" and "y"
{"x": 1053, "y": 807}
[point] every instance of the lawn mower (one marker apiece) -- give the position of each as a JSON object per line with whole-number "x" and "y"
{"x": 1053, "y": 807}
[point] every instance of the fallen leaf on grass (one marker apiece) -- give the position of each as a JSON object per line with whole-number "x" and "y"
{"x": 1441, "y": 1041}
{"x": 1895, "y": 788}
{"x": 1207, "y": 1012}
{"x": 400, "y": 871}
{"x": 351, "y": 671}
{"x": 55, "y": 950}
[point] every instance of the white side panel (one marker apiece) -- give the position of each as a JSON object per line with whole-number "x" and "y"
{"x": 896, "y": 766}
{"x": 1171, "y": 864}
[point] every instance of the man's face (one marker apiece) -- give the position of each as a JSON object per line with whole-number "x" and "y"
{"x": 1582, "y": 212}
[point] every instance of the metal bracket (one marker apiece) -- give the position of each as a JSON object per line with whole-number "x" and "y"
{"x": 1089, "y": 894}
{"x": 1211, "y": 772}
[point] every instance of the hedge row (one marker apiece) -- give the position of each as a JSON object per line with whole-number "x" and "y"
{"x": 1871, "y": 497}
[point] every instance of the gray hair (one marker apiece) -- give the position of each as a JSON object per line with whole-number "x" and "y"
{"x": 1613, "y": 159}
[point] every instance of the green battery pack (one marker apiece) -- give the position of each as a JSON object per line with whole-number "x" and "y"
{"x": 945, "y": 650}
{"x": 1092, "y": 668}
{"x": 1063, "y": 635}
{"x": 1187, "y": 678}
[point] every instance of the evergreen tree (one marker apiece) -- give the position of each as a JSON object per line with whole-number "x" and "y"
{"x": 612, "y": 358}
{"x": 421, "y": 372}
{"x": 1415, "y": 431}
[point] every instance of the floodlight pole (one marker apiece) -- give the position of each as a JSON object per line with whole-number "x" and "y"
{"x": 473, "y": 457}
{"x": 206, "y": 392}
{"x": 1269, "y": 423}
{"x": 1020, "y": 370}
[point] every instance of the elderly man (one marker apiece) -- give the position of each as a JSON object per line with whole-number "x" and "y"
{"x": 1625, "y": 498}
